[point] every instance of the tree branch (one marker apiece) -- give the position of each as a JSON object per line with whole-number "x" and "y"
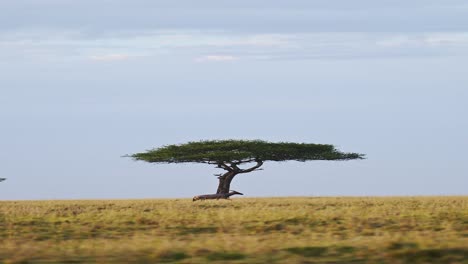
{"x": 224, "y": 166}
{"x": 259, "y": 164}
{"x": 235, "y": 168}
{"x": 242, "y": 161}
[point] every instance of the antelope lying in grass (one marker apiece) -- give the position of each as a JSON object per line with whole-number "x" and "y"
{"x": 216, "y": 196}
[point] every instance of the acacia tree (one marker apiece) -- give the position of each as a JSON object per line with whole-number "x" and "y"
{"x": 230, "y": 155}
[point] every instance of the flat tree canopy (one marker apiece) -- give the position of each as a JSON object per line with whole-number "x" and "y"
{"x": 229, "y": 154}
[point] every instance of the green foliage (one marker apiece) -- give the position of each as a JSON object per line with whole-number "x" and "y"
{"x": 240, "y": 151}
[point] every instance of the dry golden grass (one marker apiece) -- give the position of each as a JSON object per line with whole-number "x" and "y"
{"x": 263, "y": 230}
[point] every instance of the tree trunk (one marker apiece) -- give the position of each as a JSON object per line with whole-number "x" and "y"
{"x": 225, "y": 182}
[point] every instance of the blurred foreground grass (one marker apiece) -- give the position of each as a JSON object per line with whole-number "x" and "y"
{"x": 263, "y": 230}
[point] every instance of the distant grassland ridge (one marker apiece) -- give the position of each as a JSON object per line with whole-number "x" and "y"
{"x": 247, "y": 230}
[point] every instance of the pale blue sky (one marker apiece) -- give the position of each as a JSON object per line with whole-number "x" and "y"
{"x": 84, "y": 82}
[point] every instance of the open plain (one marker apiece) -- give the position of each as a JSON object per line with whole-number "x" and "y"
{"x": 243, "y": 230}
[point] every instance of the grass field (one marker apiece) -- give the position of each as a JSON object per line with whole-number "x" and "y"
{"x": 263, "y": 230}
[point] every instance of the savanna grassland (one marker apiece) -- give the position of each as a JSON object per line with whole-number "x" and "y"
{"x": 247, "y": 230}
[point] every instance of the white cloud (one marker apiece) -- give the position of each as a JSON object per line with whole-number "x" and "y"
{"x": 217, "y": 58}
{"x": 447, "y": 39}
{"x": 395, "y": 41}
{"x": 118, "y": 46}
{"x": 109, "y": 57}
{"x": 218, "y": 46}
{"x": 425, "y": 39}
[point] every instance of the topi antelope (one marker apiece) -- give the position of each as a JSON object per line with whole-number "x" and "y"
{"x": 216, "y": 196}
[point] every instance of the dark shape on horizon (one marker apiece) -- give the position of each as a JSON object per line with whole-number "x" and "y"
{"x": 216, "y": 196}
{"x": 2, "y": 179}
{"x": 230, "y": 154}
